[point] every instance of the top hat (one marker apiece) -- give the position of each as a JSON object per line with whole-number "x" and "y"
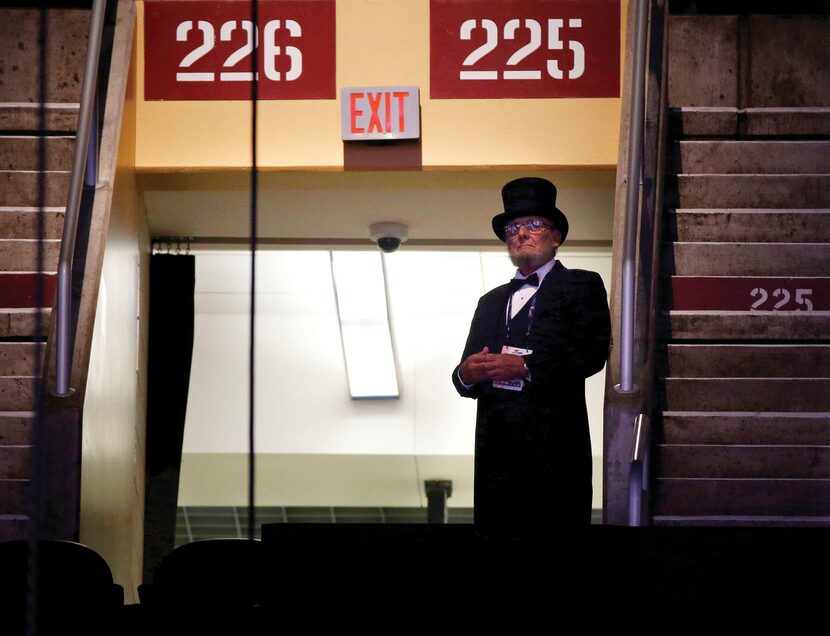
{"x": 530, "y": 196}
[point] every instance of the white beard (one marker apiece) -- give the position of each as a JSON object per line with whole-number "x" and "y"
{"x": 532, "y": 261}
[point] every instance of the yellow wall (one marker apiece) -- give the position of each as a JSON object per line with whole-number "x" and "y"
{"x": 112, "y": 479}
{"x": 305, "y": 134}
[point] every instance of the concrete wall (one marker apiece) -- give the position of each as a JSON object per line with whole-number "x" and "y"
{"x": 112, "y": 480}
{"x": 749, "y": 61}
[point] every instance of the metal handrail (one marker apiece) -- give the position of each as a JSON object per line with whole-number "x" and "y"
{"x": 638, "y": 470}
{"x": 63, "y": 307}
{"x": 635, "y": 165}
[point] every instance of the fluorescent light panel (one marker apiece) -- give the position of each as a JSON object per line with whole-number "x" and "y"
{"x": 364, "y": 324}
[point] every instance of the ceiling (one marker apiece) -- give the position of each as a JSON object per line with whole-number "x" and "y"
{"x": 297, "y": 209}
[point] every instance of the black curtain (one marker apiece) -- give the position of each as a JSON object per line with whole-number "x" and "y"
{"x": 172, "y": 280}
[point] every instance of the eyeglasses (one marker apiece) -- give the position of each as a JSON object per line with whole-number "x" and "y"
{"x": 534, "y": 226}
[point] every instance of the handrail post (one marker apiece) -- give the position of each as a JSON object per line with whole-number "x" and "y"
{"x": 635, "y": 162}
{"x": 638, "y": 470}
{"x": 63, "y": 345}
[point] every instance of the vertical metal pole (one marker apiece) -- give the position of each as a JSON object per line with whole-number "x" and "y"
{"x": 635, "y": 162}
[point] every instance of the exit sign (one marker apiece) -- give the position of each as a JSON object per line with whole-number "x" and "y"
{"x": 380, "y": 113}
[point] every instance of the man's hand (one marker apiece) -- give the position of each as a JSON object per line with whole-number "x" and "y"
{"x": 484, "y": 365}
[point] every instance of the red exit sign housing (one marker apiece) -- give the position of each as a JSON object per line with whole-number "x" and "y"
{"x": 202, "y": 50}
{"x": 380, "y": 113}
{"x": 524, "y": 48}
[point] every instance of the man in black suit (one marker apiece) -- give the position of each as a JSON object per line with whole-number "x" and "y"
{"x": 532, "y": 343}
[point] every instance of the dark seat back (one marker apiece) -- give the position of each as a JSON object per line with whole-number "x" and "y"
{"x": 74, "y": 586}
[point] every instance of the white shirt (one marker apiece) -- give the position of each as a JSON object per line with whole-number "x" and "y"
{"x": 520, "y": 298}
{"x": 525, "y": 292}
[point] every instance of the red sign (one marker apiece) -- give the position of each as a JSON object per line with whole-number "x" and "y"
{"x": 728, "y": 293}
{"x": 524, "y": 48}
{"x": 202, "y": 49}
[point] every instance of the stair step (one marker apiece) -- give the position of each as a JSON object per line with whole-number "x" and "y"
{"x": 16, "y": 427}
{"x": 748, "y": 293}
{"x": 18, "y": 358}
{"x": 750, "y": 157}
{"x": 13, "y": 496}
{"x": 15, "y": 462}
{"x": 22, "y": 323}
{"x": 22, "y": 223}
{"x": 743, "y": 521}
{"x": 749, "y": 225}
{"x": 729, "y": 461}
{"x": 20, "y": 55}
{"x": 746, "y": 259}
{"x": 704, "y": 121}
{"x": 20, "y": 188}
{"x": 18, "y": 290}
{"x": 746, "y": 394}
{"x": 700, "y": 427}
{"x": 18, "y": 152}
{"x": 804, "y": 121}
{"x": 742, "y": 497}
{"x": 745, "y": 325}
{"x": 17, "y": 393}
{"x": 750, "y": 122}
{"x": 21, "y": 255}
{"x": 26, "y": 116}
{"x": 749, "y": 191}
{"x": 13, "y": 527}
{"x": 743, "y": 361}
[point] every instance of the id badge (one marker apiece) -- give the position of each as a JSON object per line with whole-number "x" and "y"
{"x": 512, "y": 385}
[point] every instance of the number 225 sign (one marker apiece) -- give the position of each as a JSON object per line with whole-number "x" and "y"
{"x": 524, "y": 48}
{"x": 202, "y": 49}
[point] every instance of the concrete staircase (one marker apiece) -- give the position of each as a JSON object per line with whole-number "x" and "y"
{"x": 21, "y": 133}
{"x": 743, "y": 428}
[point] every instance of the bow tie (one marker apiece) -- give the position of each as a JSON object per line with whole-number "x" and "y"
{"x": 518, "y": 283}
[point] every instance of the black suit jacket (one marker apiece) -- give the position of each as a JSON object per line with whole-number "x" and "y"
{"x": 533, "y": 448}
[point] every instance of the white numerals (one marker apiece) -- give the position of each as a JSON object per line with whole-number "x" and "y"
{"x": 782, "y": 296}
{"x": 801, "y": 299}
{"x": 241, "y": 53}
{"x": 227, "y": 33}
{"x": 273, "y": 51}
{"x": 527, "y": 33}
{"x": 535, "y": 42}
{"x": 489, "y": 46}
{"x": 208, "y": 40}
{"x": 556, "y": 44}
{"x": 761, "y": 294}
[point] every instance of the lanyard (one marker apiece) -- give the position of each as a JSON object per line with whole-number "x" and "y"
{"x": 530, "y": 314}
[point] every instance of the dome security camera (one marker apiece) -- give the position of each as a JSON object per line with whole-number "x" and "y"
{"x": 389, "y": 236}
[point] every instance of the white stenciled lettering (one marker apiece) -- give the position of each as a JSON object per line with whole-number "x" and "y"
{"x": 208, "y": 41}
{"x": 533, "y": 43}
{"x": 492, "y": 41}
{"x": 225, "y": 34}
{"x": 272, "y": 50}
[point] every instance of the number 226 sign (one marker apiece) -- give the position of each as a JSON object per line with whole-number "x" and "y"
{"x": 201, "y": 49}
{"x": 524, "y": 48}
